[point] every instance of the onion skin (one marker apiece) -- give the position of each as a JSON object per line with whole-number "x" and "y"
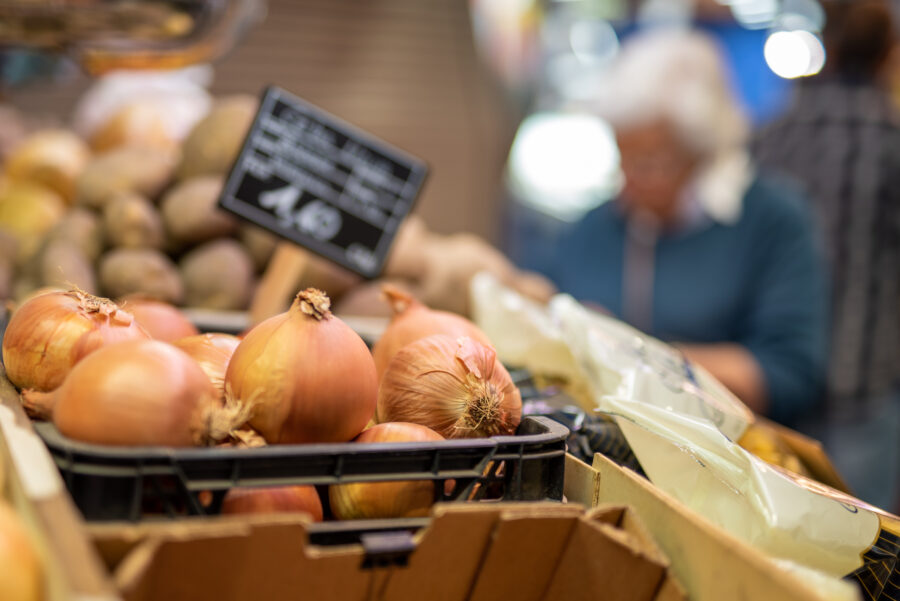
{"x": 305, "y": 374}
{"x": 212, "y": 352}
{"x": 161, "y": 320}
{"x": 413, "y": 321}
{"x": 456, "y": 387}
{"x": 377, "y": 500}
{"x": 141, "y": 392}
{"x": 20, "y": 568}
{"x": 274, "y": 499}
{"x": 52, "y": 332}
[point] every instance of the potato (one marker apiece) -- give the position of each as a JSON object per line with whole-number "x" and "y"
{"x": 144, "y": 171}
{"x": 534, "y": 286}
{"x": 218, "y": 275}
{"x": 80, "y": 227}
{"x": 131, "y": 221}
{"x": 54, "y": 158}
{"x": 27, "y": 212}
{"x": 260, "y": 244}
{"x": 406, "y": 259}
{"x": 366, "y": 299}
{"x": 60, "y": 263}
{"x": 327, "y": 276}
{"x": 451, "y": 261}
{"x": 214, "y": 143}
{"x": 190, "y": 213}
{"x": 137, "y": 123}
{"x": 145, "y": 271}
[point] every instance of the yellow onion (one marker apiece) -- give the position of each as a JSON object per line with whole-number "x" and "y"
{"x": 413, "y": 321}
{"x": 160, "y": 319}
{"x": 139, "y": 392}
{"x": 305, "y": 375}
{"x": 20, "y": 568}
{"x": 50, "y": 333}
{"x": 376, "y": 500}
{"x": 456, "y": 387}
{"x": 274, "y": 499}
{"x": 212, "y": 352}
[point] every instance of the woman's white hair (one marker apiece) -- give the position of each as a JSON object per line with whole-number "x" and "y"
{"x": 676, "y": 75}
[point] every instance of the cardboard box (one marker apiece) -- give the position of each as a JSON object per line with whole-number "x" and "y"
{"x": 72, "y": 568}
{"x": 474, "y": 552}
{"x": 710, "y": 563}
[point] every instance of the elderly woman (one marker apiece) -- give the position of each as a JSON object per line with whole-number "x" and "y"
{"x": 698, "y": 249}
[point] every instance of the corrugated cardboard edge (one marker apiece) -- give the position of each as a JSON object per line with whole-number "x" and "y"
{"x": 812, "y": 454}
{"x": 709, "y": 562}
{"x": 73, "y": 570}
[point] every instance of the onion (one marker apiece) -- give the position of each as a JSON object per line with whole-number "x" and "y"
{"x": 274, "y": 499}
{"x": 212, "y": 352}
{"x": 376, "y": 500}
{"x": 305, "y": 375}
{"x": 52, "y": 332}
{"x": 413, "y": 321}
{"x": 20, "y": 568}
{"x": 140, "y": 392}
{"x": 457, "y": 388}
{"x": 161, "y": 320}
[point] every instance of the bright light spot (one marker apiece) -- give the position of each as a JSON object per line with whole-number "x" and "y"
{"x": 593, "y": 41}
{"x": 564, "y": 164}
{"x": 754, "y": 14}
{"x": 792, "y": 54}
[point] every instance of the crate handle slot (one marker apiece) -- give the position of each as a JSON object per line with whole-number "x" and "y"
{"x": 387, "y": 549}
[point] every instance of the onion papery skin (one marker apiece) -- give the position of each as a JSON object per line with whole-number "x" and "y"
{"x": 52, "y": 332}
{"x": 413, "y": 321}
{"x": 306, "y": 375}
{"x": 161, "y": 320}
{"x": 142, "y": 392}
{"x": 456, "y": 387}
{"x": 212, "y": 352}
{"x": 274, "y": 499}
{"x": 20, "y": 568}
{"x": 378, "y": 500}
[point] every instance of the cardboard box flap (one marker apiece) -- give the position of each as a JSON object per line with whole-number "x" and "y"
{"x": 526, "y": 546}
{"x": 608, "y": 557}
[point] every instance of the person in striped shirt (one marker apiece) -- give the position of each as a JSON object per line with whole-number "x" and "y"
{"x": 841, "y": 138}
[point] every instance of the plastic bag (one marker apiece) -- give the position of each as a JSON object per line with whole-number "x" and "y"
{"x": 681, "y": 425}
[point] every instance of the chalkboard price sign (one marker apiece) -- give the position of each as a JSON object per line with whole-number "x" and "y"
{"x": 314, "y": 179}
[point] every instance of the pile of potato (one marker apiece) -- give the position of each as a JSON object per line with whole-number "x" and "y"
{"x": 131, "y": 211}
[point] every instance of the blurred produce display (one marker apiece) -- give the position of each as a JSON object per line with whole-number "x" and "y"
{"x": 124, "y": 204}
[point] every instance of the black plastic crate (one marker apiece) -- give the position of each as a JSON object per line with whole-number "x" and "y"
{"x": 133, "y": 483}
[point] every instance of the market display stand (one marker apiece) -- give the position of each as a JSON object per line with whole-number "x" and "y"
{"x": 72, "y": 570}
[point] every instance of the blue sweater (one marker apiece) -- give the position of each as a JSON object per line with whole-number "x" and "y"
{"x": 759, "y": 283}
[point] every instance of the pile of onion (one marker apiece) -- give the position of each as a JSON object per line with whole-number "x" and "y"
{"x": 274, "y": 499}
{"x": 20, "y": 568}
{"x": 456, "y": 387}
{"x": 141, "y": 392}
{"x": 212, "y": 352}
{"x": 305, "y": 375}
{"x": 376, "y": 500}
{"x": 413, "y": 321}
{"x": 52, "y": 332}
{"x": 161, "y": 320}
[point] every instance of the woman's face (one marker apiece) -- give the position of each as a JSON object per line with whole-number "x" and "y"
{"x": 657, "y": 166}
